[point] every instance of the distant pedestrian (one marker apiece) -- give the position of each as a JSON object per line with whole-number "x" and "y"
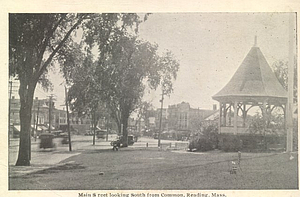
{"x": 116, "y": 145}
{"x": 233, "y": 167}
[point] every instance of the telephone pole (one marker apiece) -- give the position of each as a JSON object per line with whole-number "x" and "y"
{"x": 94, "y": 126}
{"x": 290, "y": 105}
{"x": 37, "y": 120}
{"x": 50, "y": 111}
{"x": 68, "y": 121}
{"x": 161, "y": 112}
{"x": 107, "y": 124}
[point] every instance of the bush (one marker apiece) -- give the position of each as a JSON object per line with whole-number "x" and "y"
{"x": 231, "y": 144}
{"x": 252, "y": 143}
{"x": 295, "y": 135}
{"x": 205, "y": 141}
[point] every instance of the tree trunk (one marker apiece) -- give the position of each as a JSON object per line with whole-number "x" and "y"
{"x": 125, "y": 117}
{"x": 26, "y": 93}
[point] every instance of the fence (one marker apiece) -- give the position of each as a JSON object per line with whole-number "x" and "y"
{"x": 174, "y": 146}
{"x": 163, "y": 145}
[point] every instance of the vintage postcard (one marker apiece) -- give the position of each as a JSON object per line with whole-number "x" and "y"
{"x": 150, "y": 100}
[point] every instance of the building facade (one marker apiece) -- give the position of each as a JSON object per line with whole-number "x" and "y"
{"x": 178, "y": 117}
{"x": 42, "y": 115}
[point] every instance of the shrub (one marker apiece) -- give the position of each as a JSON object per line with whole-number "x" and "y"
{"x": 295, "y": 135}
{"x": 206, "y": 140}
{"x": 231, "y": 144}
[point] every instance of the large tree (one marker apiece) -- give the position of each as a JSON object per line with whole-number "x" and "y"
{"x": 131, "y": 65}
{"x": 35, "y": 41}
{"x": 125, "y": 65}
{"x": 83, "y": 95}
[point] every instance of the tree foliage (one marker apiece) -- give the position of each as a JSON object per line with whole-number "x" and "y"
{"x": 272, "y": 124}
{"x": 34, "y": 42}
{"x": 37, "y": 41}
{"x": 280, "y": 68}
{"x": 124, "y": 65}
{"x": 142, "y": 110}
{"x": 131, "y": 66}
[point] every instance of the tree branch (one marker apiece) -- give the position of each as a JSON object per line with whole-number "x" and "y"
{"x": 46, "y": 40}
{"x": 48, "y": 61}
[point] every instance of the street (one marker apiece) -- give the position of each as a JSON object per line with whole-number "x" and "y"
{"x": 45, "y": 158}
{"x": 78, "y": 143}
{"x": 138, "y": 167}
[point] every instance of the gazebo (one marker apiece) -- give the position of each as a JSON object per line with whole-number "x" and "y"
{"x": 253, "y": 84}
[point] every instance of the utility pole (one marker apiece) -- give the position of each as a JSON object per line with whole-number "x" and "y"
{"x": 161, "y": 112}
{"x": 37, "y": 120}
{"x": 107, "y": 124}
{"x": 50, "y": 109}
{"x": 68, "y": 121}
{"x": 94, "y": 127}
{"x": 289, "y": 107}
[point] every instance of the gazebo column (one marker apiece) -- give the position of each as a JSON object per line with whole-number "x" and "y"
{"x": 224, "y": 115}
{"x": 244, "y": 115}
{"x": 289, "y": 127}
{"x": 284, "y": 115}
{"x": 220, "y": 117}
{"x": 235, "y": 118}
{"x": 229, "y": 115}
{"x": 264, "y": 111}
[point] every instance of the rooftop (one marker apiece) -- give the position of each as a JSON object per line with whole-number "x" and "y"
{"x": 254, "y": 78}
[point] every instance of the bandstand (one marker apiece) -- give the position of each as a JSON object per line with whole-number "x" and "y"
{"x": 253, "y": 85}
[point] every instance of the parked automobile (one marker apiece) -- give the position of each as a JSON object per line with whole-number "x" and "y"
{"x": 119, "y": 141}
{"x": 101, "y": 134}
{"x": 89, "y": 133}
{"x": 47, "y": 140}
{"x": 116, "y": 142}
{"x": 57, "y": 133}
{"x": 130, "y": 140}
{"x": 65, "y": 138}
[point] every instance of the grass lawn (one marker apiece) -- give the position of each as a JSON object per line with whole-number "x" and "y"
{"x": 164, "y": 170}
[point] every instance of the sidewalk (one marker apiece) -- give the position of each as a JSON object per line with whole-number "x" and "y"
{"x": 47, "y": 158}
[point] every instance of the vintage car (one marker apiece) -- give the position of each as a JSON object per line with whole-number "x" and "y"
{"x": 119, "y": 141}
{"x": 101, "y": 134}
{"x": 47, "y": 140}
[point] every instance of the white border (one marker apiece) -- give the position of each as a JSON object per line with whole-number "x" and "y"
{"x": 19, "y": 6}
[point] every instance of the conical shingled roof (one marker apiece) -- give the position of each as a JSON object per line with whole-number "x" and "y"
{"x": 254, "y": 78}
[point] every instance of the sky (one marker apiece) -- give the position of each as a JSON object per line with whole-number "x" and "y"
{"x": 209, "y": 48}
